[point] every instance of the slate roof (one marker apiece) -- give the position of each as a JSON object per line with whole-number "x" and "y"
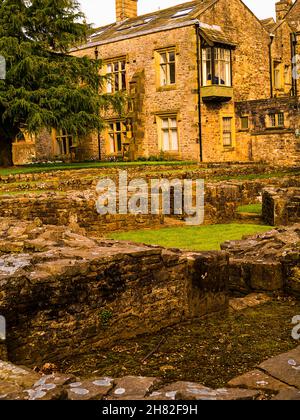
{"x": 174, "y": 17}
{"x": 214, "y": 34}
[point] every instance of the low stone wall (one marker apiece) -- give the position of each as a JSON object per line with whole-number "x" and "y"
{"x": 281, "y": 206}
{"x": 61, "y": 208}
{"x": 63, "y": 294}
{"x": 66, "y": 209}
{"x": 267, "y": 262}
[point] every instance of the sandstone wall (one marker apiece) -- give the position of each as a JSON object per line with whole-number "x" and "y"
{"x": 180, "y": 99}
{"x": 277, "y": 145}
{"x": 64, "y": 294}
{"x": 281, "y": 206}
{"x": 221, "y": 200}
{"x": 250, "y": 81}
{"x": 23, "y": 152}
{"x": 265, "y": 262}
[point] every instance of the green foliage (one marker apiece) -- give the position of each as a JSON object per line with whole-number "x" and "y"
{"x": 105, "y": 317}
{"x": 45, "y": 87}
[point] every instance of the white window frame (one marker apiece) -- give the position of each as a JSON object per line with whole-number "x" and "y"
{"x": 116, "y": 76}
{"x": 168, "y": 133}
{"x": 165, "y": 75}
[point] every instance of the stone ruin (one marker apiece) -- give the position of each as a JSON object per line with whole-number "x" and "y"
{"x": 66, "y": 291}
{"x": 266, "y": 262}
{"x": 281, "y": 206}
{"x": 62, "y": 292}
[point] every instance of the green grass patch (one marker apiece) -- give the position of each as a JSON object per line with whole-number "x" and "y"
{"x": 193, "y": 238}
{"x": 250, "y": 208}
{"x": 28, "y": 192}
{"x": 88, "y": 165}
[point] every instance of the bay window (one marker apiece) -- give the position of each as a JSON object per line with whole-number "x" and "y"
{"x": 216, "y": 66}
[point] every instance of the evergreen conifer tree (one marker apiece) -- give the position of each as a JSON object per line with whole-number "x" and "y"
{"x": 45, "y": 86}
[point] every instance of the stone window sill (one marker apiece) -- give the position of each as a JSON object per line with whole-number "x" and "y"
{"x": 166, "y": 88}
{"x": 228, "y": 149}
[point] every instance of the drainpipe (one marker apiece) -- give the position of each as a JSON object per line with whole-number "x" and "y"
{"x": 199, "y": 94}
{"x": 293, "y": 54}
{"x": 272, "y": 36}
{"x": 98, "y": 134}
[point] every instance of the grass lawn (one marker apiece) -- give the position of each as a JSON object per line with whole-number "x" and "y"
{"x": 193, "y": 238}
{"x": 250, "y": 208}
{"x": 87, "y": 165}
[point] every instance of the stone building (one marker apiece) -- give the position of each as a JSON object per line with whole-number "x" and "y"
{"x": 273, "y": 131}
{"x": 199, "y": 77}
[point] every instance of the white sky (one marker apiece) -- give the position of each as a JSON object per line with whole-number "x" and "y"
{"x": 101, "y": 12}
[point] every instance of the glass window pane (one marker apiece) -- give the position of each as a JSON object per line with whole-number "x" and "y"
{"x": 163, "y": 75}
{"x": 172, "y": 56}
{"x": 123, "y": 64}
{"x": 163, "y": 58}
{"x": 123, "y": 81}
{"x": 165, "y": 140}
{"x": 174, "y": 140}
{"x": 227, "y": 139}
{"x": 119, "y": 142}
{"x": 244, "y": 123}
{"x": 116, "y": 66}
{"x": 109, "y": 86}
{"x": 111, "y": 143}
{"x": 280, "y": 119}
{"x": 165, "y": 123}
{"x": 173, "y": 122}
{"x": 172, "y": 73}
{"x": 109, "y": 68}
{"x": 116, "y": 84}
{"x": 272, "y": 120}
{"x": 227, "y": 74}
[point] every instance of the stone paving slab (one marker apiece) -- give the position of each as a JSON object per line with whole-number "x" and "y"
{"x": 17, "y": 375}
{"x": 170, "y": 392}
{"x": 249, "y": 301}
{"x": 285, "y": 367}
{"x": 132, "y": 387}
{"x": 257, "y": 379}
{"x": 95, "y": 389}
{"x": 222, "y": 394}
{"x": 288, "y": 395}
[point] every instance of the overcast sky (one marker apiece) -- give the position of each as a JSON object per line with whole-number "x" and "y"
{"x": 101, "y": 12}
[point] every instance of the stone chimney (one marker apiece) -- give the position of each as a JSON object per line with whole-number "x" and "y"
{"x": 126, "y": 9}
{"x": 282, "y": 7}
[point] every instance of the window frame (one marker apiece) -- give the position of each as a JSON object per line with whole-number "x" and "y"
{"x": 274, "y": 120}
{"x": 169, "y": 129}
{"x": 120, "y": 73}
{"x": 232, "y": 145}
{"x": 244, "y": 117}
{"x": 65, "y": 142}
{"x": 215, "y": 66}
{"x": 278, "y": 75}
{"x": 168, "y": 63}
{"x": 123, "y": 132}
